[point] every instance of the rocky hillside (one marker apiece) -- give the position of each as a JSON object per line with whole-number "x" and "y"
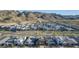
{"x": 7, "y": 16}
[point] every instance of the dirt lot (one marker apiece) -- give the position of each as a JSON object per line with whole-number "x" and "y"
{"x": 39, "y": 33}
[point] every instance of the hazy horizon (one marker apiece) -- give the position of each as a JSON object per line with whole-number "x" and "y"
{"x": 62, "y": 12}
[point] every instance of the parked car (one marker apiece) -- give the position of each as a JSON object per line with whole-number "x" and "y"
{"x": 31, "y": 42}
{"x": 8, "y": 43}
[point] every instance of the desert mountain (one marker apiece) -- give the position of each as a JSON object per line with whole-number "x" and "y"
{"x": 7, "y": 16}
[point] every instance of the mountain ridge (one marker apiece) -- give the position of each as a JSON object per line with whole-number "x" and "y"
{"x": 7, "y": 16}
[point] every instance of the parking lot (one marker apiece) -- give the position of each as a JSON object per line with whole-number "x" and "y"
{"x": 38, "y": 41}
{"x": 39, "y": 26}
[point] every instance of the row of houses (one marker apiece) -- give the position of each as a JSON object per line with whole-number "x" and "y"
{"x": 32, "y": 41}
{"x": 36, "y": 26}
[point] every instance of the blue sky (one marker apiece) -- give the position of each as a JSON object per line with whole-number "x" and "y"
{"x": 63, "y": 12}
